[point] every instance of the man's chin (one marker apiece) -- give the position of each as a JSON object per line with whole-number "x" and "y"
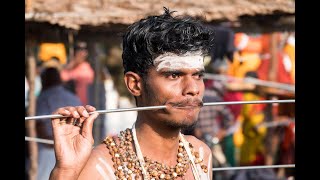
{"x": 183, "y": 124}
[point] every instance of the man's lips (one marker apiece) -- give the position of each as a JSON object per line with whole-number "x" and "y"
{"x": 186, "y": 104}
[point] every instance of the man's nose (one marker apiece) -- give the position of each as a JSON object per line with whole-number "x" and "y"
{"x": 191, "y": 86}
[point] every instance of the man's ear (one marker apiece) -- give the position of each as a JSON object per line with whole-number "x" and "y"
{"x": 133, "y": 83}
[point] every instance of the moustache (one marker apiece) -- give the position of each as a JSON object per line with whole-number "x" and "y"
{"x": 187, "y": 103}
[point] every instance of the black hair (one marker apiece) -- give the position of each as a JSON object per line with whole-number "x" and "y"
{"x": 50, "y": 77}
{"x": 80, "y": 45}
{"x": 155, "y": 35}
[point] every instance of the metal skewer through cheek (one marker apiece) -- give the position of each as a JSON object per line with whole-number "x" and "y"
{"x": 164, "y": 107}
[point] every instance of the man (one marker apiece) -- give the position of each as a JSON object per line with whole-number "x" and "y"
{"x": 163, "y": 65}
{"x": 52, "y": 96}
{"x": 78, "y": 73}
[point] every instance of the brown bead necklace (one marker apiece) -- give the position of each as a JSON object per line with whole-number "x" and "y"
{"x": 127, "y": 165}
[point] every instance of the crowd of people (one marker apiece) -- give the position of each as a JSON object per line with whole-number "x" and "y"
{"x": 250, "y": 134}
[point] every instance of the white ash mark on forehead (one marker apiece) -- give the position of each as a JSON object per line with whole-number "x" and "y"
{"x": 173, "y": 61}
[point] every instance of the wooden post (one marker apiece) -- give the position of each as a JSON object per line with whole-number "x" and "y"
{"x": 31, "y": 129}
{"x": 98, "y": 123}
{"x": 71, "y": 44}
{"x": 272, "y": 76}
{"x": 273, "y": 71}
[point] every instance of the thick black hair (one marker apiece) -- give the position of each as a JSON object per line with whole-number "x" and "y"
{"x": 50, "y": 77}
{"x": 155, "y": 35}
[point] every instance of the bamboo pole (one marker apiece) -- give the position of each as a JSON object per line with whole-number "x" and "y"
{"x": 96, "y": 89}
{"x": 71, "y": 44}
{"x": 273, "y": 73}
{"x": 273, "y": 69}
{"x": 31, "y": 129}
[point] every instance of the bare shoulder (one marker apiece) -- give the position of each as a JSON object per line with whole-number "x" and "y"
{"x": 198, "y": 144}
{"x": 100, "y": 151}
{"x": 204, "y": 153}
{"x": 99, "y": 164}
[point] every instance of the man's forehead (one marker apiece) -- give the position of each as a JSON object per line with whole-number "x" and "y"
{"x": 174, "y": 61}
{"x": 186, "y": 54}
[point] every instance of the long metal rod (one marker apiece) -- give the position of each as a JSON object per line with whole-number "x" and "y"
{"x": 249, "y": 102}
{"x": 254, "y": 167}
{"x": 99, "y": 111}
{"x": 39, "y": 140}
{"x": 163, "y": 107}
{"x": 275, "y": 123}
{"x": 261, "y": 82}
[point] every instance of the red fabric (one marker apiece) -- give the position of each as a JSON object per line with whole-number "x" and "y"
{"x": 83, "y": 75}
{"x": 288, "y": 136}
{"x": 263, "y": 69}
{"x": 234, "y": 96}
{"x": 287, "y": 152}
{"x": 283, "y": 75}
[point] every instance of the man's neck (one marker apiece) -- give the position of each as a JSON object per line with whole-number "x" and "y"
{"x": 157, "y": 141}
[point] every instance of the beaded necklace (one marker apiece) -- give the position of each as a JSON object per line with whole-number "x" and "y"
{"x": 129, "y": 164}
{"x": 168, "y": 173}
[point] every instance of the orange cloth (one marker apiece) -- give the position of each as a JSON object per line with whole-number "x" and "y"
{"x": 83, "y": 75}
{"x": 289, "y": 50}
{"x": 243, "y": 63}
{"x": 246, "y": 43}
{"x": 284, "y": 75}
{"x": 247, "y": 58}
{"x": 49, "y": 50}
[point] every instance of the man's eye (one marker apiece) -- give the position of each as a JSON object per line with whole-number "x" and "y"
{"x": 174, "y": 76}
{"x": 199, "y": 76}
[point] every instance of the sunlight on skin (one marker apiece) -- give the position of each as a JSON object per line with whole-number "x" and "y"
{"x": 101, "y": 171}
{"x": 209, "y": 165}
{"x": 106, "y": 165}
{"x": 201, "y": 152}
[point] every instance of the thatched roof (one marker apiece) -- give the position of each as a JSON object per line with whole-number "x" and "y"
{"x": 74, "y": 13}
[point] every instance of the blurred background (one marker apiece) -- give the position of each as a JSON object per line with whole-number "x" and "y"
{"x": 73, "y": 55}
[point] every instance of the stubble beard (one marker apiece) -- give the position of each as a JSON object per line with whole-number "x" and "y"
{"x": 182, "y": 124}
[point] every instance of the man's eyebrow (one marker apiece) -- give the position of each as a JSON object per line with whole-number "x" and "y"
{"x": 171, "y": 71}
{"x": 201, "y": 71}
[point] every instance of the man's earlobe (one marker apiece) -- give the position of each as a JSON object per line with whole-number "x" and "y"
{"x": 133, "y": 83}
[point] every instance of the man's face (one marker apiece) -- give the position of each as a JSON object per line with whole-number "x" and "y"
{"x": 81, "y": 54}
{"x": 175, "y": 81}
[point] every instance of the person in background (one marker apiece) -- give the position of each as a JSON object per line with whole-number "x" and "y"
{"x": 214, "y": 126}
{"x": 79, "y": 73}
{"x": 252, "y": 151}
{"x": 52, "y": 96}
